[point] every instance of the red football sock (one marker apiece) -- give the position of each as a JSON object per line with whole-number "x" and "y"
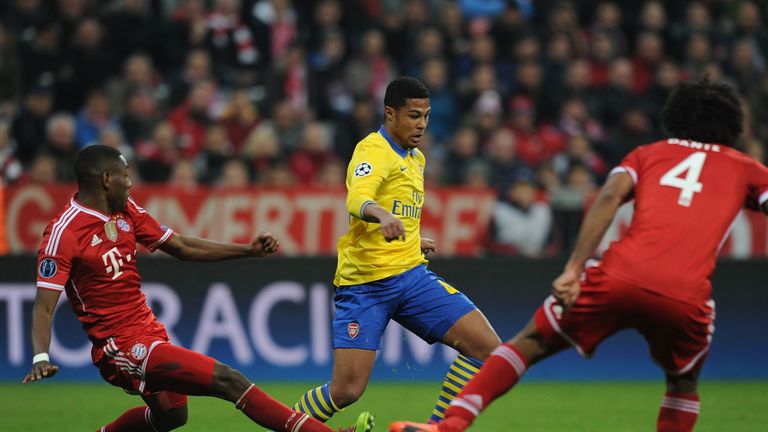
{"x": 678, "y": 412}
{"x": 499, "y": 373}
{"x": 268, "y": 412}
{"x": 135, "y": 419}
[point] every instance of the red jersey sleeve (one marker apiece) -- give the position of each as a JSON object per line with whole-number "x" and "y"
{"x": 630, "y": 165}
{"x": 149, "y": 232}
{"x": 54, "y": 259}
{"x": 757, "y": 185}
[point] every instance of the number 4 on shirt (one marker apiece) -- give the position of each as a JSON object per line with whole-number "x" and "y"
{"x": 689, "y": 185}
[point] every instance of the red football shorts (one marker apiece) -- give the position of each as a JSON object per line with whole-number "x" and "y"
{"x": 147, "y": 365}
{"x": 678, "y": 334}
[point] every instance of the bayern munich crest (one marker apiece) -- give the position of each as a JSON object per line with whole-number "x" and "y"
{"x": 123, "y": 225}
{"x": 353, "y": 329}
{"x": 139, "y": 351}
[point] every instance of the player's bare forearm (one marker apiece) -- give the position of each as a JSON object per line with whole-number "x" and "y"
{"x": 42, "y": 316}
{"x": 599, "y": 218}
{"x": 200, "y": 249}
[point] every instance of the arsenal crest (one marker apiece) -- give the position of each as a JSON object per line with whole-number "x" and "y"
{"x": 353, "y": 329}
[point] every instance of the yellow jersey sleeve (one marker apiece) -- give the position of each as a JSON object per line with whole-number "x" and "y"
{"x": 368, "y": 169}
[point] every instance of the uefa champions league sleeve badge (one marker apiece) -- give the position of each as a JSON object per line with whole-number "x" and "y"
{"x": 110, "y": 229}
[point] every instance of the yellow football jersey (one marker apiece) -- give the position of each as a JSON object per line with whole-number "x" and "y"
{"x": 381, "y": 171}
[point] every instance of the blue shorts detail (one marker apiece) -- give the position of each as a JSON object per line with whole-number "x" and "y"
{"x": 417, "y": 299}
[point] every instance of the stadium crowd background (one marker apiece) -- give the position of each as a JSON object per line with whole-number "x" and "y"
{"x": 535, "y": 99}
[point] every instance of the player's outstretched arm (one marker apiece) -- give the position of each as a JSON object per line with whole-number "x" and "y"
{"x": 200, "y": 249}
{"x": 613, "y": 193}
{"x": 42, "y": 316}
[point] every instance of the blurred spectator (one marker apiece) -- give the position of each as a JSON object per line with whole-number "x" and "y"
{"x": 633, "y": 130}
{"x": 191, "y": 119}
{"x": 184, "y": 176}
{"x": 579, "y": 152}
{"x": 139, "y": 117}
{"x": 350, "y": 131}
{"x": 329, "y": 93}
{"x": 138, "y": 76}
{"x": 611, "y": 100}
{"x": 41, "y": 59}
{"x": 750, "y": 28}
{"x": 61, "y": 145}
{"x": 314, "y": 152}
{"x": 648, "y": 54}
{"x": 79, "y": 76}
{"x": 197, "y": 69}
{"x": 10, "y": 74}
{"x": 698, "y": 53}
{"x": 281, "y": 20}
{"x": 442, "y": 119}
{"x": 263, "y": 149}
{"x": 239, "y": 49}
{"x": 93, "y": 118}
{"x": 533, "y": 144}
{"x": 234, "y": 175}
{"x": 370, "y": 70}
{"x": 216, "y": 153}
{"x": 185, "y": 32}
{"x": 758, "y": 103}
{"x": 10, "y": 167}
{"x": 279, "y": 176}
{"x": 26, "y": 16}
{"x": 742, "y": 66}
{"x": 157, "y": 156}
{"x": 508, "y": 27}
{"x": 287, "y": 125}
{"x": 240, "y": 118}
{"x": 42, "y": 171}
{"x": 575, "y": 119}
{"x": 502, "y": 158}
{"x": 520, "y": 224}
{"x": 463, "y": 150}
{"x": 133, "y": 29}
{"x": 333, "y": 174}
{"x": 289, "y": 80}
{"x": 477, "y": 175}
{"x": 28, "y": 128}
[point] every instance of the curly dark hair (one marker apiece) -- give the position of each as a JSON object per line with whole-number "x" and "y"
{"x": 403, "y": 88}
{"x": 704, "y": 111}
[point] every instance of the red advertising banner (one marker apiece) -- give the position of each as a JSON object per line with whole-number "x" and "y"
{"x": 307, "y": 221}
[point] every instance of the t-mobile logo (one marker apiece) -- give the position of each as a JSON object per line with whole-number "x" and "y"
{"x": 113, "y": 259}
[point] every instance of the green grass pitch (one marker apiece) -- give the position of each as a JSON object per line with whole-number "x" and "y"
{"x": 535, "y": 406}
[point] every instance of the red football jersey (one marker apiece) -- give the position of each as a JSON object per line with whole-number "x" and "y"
{"x": 687, "y": 195}
{"x": 93, "y": 257}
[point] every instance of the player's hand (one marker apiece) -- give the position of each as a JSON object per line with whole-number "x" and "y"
{"x": 40, "y": 370}
{"x": 428, "y": 245}
{"x": 391, "y": 227}
{"x": 264, "y": 244}
{"x": 566, "y": 287}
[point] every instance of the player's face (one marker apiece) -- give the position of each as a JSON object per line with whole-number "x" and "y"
{"x": 409, "y": 122}
{"x": 119, "y": 185}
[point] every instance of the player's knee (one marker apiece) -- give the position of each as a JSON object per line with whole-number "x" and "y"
{"x": 172, "y": 419}
{"x": 686, "y": 384}
{"x": 347, "y": 394}
{"x": 229, "y": 383}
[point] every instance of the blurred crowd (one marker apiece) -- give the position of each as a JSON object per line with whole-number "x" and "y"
{"x": 536, "y": 99}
